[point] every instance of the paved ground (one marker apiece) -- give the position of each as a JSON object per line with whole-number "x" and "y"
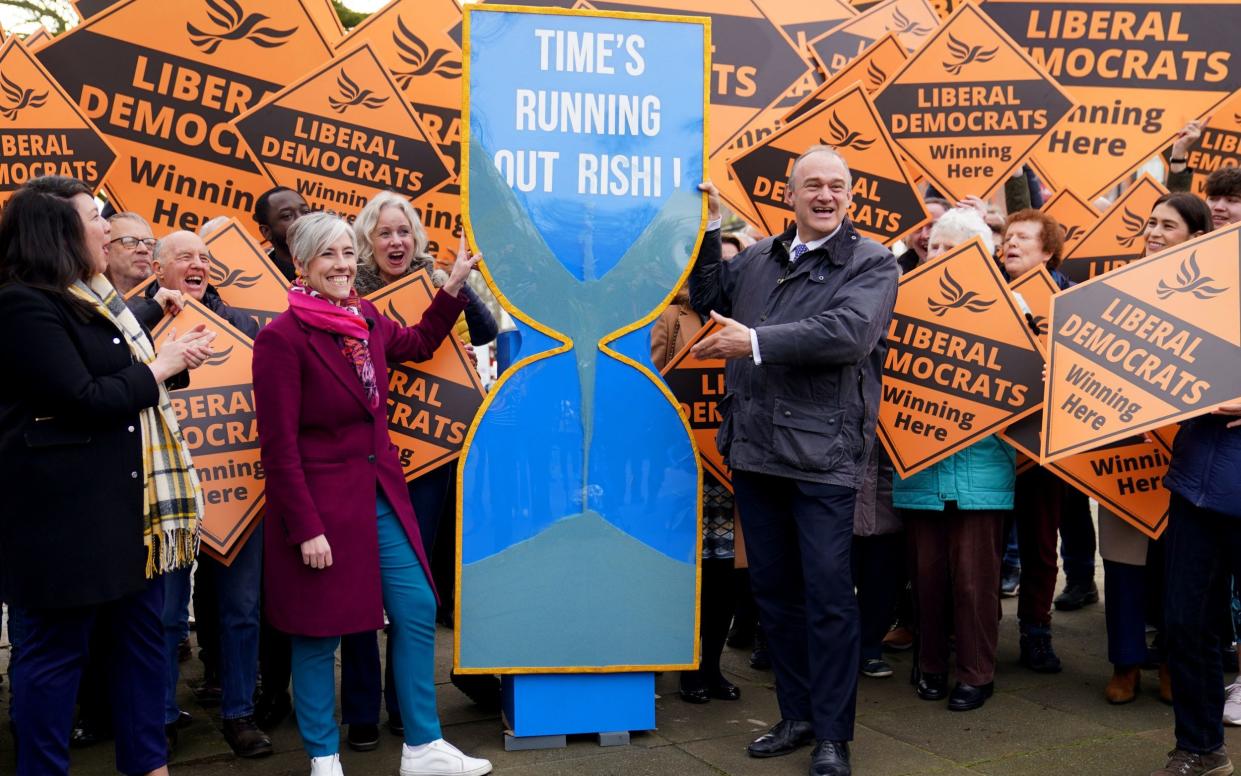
{"x": 1034, "y": 725}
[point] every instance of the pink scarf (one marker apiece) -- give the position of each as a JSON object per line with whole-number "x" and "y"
{"x": 343, "y": 320}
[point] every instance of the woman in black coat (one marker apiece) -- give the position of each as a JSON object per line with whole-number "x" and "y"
{"x": 101, "y": 496}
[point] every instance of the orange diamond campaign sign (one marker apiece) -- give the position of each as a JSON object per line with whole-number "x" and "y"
{"x": 698, "y": 384}
{"x": 42, "y": 131}
{"x": 969, "y": 105}
{"x": 216, "y": 415}
{"x": 248, "y": 281}
{"x": 323, "y": 12}
{"x": 802, "y": 22}
{"x": 884, "y": 203}
{"x": 1126, "y": 476}
{"x": 163, "y": 80}
{"x": 431, "y": 403}
{"x": 872, "y": 68}
{"x": 912, "y": 21}
{"x": 1219, "y": 146}
{"x": 1117, "y": 237}
{"x": 946, "y": 383}
{"x": 342, "y": 134}
{"x": 37, "y": 39}
{"x": 1146, "y": 345}
{"x": 1138, "y": 69}
{"x": 419, "y": 42}
{"x": 1074, "y": 214}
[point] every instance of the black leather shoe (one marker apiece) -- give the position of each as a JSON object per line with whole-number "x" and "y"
{"x": 932, "y": 687}
{"x": 362, "y": 738}
{"x": 724, "y": 690}
{"x": 695, "y": 695}
{"x": 966, "y": 697}
{"x": 483, "y": 689}
{"x": 245, "y": 738}
{"x": 396, "y": 725}
{"x": 271, "y": 710}
{"x": 1077, "y": 595}
{"x": 787, "y": 736}
{"x": 830, "y": 758}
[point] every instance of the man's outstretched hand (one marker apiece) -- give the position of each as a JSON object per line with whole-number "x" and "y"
{"x": 731, "y": 341}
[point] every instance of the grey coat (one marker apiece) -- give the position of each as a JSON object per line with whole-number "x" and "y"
{"x": 873, "y": 513}
{"x": 808, "y": 412}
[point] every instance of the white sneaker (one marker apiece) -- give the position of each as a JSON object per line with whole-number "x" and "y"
{"x": 1232, "y": 703}
{"x": 326, "y": 766}
{"x": 440, "y": 758}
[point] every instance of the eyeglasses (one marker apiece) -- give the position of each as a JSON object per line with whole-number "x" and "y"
{"x": 130, "y": 243}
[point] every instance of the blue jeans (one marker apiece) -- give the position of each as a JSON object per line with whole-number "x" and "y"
{"x": 238, "y": 588}
{"x": 411, "y": 609}
{"x": 360, "y": 685}
{"x": 1012, "y": 555}
{"x": 48, "y": 668}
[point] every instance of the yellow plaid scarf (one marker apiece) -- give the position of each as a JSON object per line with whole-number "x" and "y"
{"x": 172, "y": 503}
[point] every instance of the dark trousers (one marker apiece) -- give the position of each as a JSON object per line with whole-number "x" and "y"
{"x": 715, "y": 614}
{"x": 95, "y": 690}
{"x": 798, "y": 537}
{"x": 1124, "y": 589}
{"x": 207, "y": 619}
{"x": 1203, "y": 552}
{"x": 956, "y": 556}
{"x": 360, "y": 684}
{"x": 1077, "y": 538}
{"x": 1036, "y": 511}
{"x": 48, "y": 669}
{"x": 878, "y": 576}
{"x": 275, "y": 659}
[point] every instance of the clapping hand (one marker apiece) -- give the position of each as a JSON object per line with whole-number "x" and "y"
{"x": 188, "y": 351}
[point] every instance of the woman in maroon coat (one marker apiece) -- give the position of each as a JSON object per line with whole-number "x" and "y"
{"x": 341, "y": 543}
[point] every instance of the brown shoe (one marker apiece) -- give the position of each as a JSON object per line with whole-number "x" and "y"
{"x": 1123, "y": 687}
{"x": 899, "y": 638}
{"x": 1165, "y": 684}
{"x": 245, "y": 738}
{"x": 1183, "y": 763}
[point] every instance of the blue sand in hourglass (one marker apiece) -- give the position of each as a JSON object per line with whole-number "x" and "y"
{"x": 580, "y": 530}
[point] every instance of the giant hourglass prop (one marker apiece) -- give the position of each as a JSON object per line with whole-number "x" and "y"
{"x": 578, "y": 537}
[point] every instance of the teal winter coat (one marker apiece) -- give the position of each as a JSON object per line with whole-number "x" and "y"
{"x": 979, "y": 477}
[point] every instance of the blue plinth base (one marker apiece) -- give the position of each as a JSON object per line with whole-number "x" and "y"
{"x": 564, "y": 704}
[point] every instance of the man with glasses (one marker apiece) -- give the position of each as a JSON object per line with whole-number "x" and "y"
{"x": 129, "y": 251}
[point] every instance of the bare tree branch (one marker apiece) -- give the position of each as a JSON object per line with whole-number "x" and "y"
{"x": 56, "y": 15}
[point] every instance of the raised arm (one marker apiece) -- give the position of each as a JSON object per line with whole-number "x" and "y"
{"x": 710, "y": 282}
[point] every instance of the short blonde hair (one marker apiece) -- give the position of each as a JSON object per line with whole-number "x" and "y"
{"x": 311, "y": 233}
{"x": 365, "y": 223}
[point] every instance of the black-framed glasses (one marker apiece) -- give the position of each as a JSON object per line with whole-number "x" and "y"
{"x": 130, "y": 243}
